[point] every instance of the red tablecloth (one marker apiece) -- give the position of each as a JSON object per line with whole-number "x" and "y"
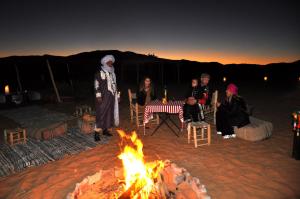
{"x": 174, "y": 107}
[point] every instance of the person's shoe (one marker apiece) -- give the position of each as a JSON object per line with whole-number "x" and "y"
{"x": 97, "y": 136}
{"x": 219, "y": 133}
{"x": 187, "y": 121}
{"x": 107, "y": 133}
{"x": 226, "y": 136}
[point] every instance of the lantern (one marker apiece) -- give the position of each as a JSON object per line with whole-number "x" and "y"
{"x": 296, "y": 129}
{"x": 224, "y": 79}
{"x": 6, "y": 89}
{"x": 265, "y": 78}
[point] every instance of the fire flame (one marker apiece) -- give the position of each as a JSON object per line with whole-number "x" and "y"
{"x": 6, "y": 89}
{"x": 139, "y": 176}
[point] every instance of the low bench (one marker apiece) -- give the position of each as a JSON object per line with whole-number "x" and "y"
{"x": 50, "y": 131}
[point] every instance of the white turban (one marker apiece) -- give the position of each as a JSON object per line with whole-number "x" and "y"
{"x": 106, "y": 59}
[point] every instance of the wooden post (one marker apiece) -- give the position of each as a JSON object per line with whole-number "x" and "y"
{"x": 53, "y": 82}
{"x": 122, "y": 72}
{"x": 18, "y": 78}
{"x": 162, "y": 74}
{"x": 70, "y": 79}
{"x": 137, "y": 74}
{"x": 178, "y": 73}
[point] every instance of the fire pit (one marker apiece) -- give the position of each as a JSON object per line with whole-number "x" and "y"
{"x": 139, "y": 179}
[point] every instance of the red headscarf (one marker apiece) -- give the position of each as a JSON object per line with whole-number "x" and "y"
{"x": 233, "y": 89}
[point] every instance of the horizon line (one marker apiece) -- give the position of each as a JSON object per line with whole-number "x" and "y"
{"x": 145, "y": 54}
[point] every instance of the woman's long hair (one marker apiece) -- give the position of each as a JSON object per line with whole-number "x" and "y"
{"x": 142, "y": 84}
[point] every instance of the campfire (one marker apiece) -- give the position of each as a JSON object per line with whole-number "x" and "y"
{"x": 139, "y": 179}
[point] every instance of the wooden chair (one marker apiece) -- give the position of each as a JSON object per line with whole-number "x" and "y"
{"x": 210, "y": 111}
{"x": 200, "y": 132}
{"x": 137, "y": 111}
{"x": 132, "y": 108}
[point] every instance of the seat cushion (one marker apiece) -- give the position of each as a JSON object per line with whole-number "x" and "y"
{"x": 255, "y": 131}
{"x": 199, "y": 124}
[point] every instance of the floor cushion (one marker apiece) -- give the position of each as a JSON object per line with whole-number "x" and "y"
{"x": 255, "y": 131}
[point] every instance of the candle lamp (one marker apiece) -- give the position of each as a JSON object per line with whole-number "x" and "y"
{"x": 296, "y": 130}
{"x": 165, "y": 98}
{"x": 6, "y": 89}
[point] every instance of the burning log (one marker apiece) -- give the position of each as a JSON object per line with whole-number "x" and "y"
{"x": 133, "y": 190}
{"x": 146, "y": 180}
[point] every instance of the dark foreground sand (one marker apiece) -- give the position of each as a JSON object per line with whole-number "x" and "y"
{"x": 229, "y": 168}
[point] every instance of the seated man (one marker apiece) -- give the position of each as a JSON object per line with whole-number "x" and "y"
{"x": 191, "y": 109}
{"x": 205, "y": 95}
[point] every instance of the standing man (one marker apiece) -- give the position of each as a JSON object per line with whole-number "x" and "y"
{"x": 107, "y": 109}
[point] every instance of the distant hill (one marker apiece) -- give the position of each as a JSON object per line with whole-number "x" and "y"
{"x": 131, "y": 67}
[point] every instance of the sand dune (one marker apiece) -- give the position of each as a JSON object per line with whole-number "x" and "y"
{"x": 231, "y": 168}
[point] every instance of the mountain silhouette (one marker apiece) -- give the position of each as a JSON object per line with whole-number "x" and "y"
{"x": 131, "y": 67}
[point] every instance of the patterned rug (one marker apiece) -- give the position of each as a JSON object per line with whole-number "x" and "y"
{"x": 21, "y": 156}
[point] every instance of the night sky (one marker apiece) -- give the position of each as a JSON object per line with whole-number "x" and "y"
{"x": 250, "y": 31}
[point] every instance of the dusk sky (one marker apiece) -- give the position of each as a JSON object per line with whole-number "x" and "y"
{"x": 250, "y": 31}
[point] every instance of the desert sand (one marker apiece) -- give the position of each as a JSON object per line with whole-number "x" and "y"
{"x": 231, "y": 168}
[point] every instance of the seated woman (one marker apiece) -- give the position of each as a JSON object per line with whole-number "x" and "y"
{"x": 191, "y": 108}
{"x": 146, "y": 92}
{"x": 233, "y": 112}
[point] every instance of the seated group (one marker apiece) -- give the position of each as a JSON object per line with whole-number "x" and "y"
{"x": 232, "y": 112}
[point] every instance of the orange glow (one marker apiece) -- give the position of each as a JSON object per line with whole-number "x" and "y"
{"x": 6, "y": 89}
{"x": 138, "y": 173}
{"x": 193, "y": 55}
{"x": 265, "y": 78}
{"x": 223, "y": 57}
{"x": 224, "y": 79}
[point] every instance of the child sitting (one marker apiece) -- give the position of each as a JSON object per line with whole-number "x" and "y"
{"x": 191, "y": 108}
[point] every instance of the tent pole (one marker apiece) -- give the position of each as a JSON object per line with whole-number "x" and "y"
{"x": 70, "y": 79}
{"x": 53, "y": 82}
{"x": 18, "y": 77}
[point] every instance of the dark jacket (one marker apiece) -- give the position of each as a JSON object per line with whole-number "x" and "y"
{"x": 193, "y": 92}
{"x": 236, "y": 111}
{"x": 204, "y": 90}
{"x": 192, "y": 113}
{"x": 141, "y": 96}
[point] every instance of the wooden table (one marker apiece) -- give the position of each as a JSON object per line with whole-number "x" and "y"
{"x": 165, "y": 111}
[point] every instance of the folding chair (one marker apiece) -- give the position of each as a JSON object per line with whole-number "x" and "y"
{"x": 210, "y": 111}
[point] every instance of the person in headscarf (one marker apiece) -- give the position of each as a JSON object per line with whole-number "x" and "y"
{"x": 107, "y": 110}
{"x": 232, "y": 112}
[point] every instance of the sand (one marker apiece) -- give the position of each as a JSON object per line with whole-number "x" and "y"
{"x": 231, "y": 168}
